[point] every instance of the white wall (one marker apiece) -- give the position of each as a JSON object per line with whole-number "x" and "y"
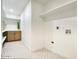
{"x": 48, "y": 34}
{"x": 64, "y": 44}
{"x": 26, "y": 25}
{"x": 32, "y": 26}
{"x": 37, "y": 26}
{"x": 9, "y": 24}
{"x": 11, "y": 27}
{"x": 3, "y": 25}
{"x": 37, "y": 34}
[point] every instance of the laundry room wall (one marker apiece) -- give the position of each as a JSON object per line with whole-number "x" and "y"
{"x": 37, "y": 26}
{"x": 26, "y": 25}
{"x": 64, "y": 44}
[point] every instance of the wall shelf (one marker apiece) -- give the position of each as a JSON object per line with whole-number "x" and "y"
{"x": 62, "y": 10}
{"x": 10, "y": 20}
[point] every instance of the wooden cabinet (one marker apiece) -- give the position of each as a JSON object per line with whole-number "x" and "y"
{"x": 12, "y": 36}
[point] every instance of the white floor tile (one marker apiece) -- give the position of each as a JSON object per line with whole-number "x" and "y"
{"x": 16, "y": 50}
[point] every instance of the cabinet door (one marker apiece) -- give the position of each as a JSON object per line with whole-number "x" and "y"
{"x": 17, "y": 35}
{"x": 10, "y": 36}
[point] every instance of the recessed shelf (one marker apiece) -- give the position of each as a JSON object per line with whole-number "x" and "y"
{"x": 61, "y": 10}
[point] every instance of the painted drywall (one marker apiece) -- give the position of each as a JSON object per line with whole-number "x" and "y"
{"x": 11, "y": 27}
{"x": 64, "y": 44}
{"x": 48, "y": 34}
{"x": 37, "y": 26}
{"x": 26, "y": 25}
{"x": 3, "y": 25}
{"x": 9, "y": 24}
{"x": 45, "y": 32}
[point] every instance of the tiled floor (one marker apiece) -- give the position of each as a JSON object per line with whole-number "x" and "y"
{"x": 46, "y": 54}
{"x": 16, "y": 50}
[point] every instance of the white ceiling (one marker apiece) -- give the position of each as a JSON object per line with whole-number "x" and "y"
{"x": 13, "y": 7}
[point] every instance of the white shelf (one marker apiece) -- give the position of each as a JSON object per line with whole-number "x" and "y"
{"x": 10, "y": 21}
{"x": 5, "y": 18}
{"x": 68, "y": 6}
